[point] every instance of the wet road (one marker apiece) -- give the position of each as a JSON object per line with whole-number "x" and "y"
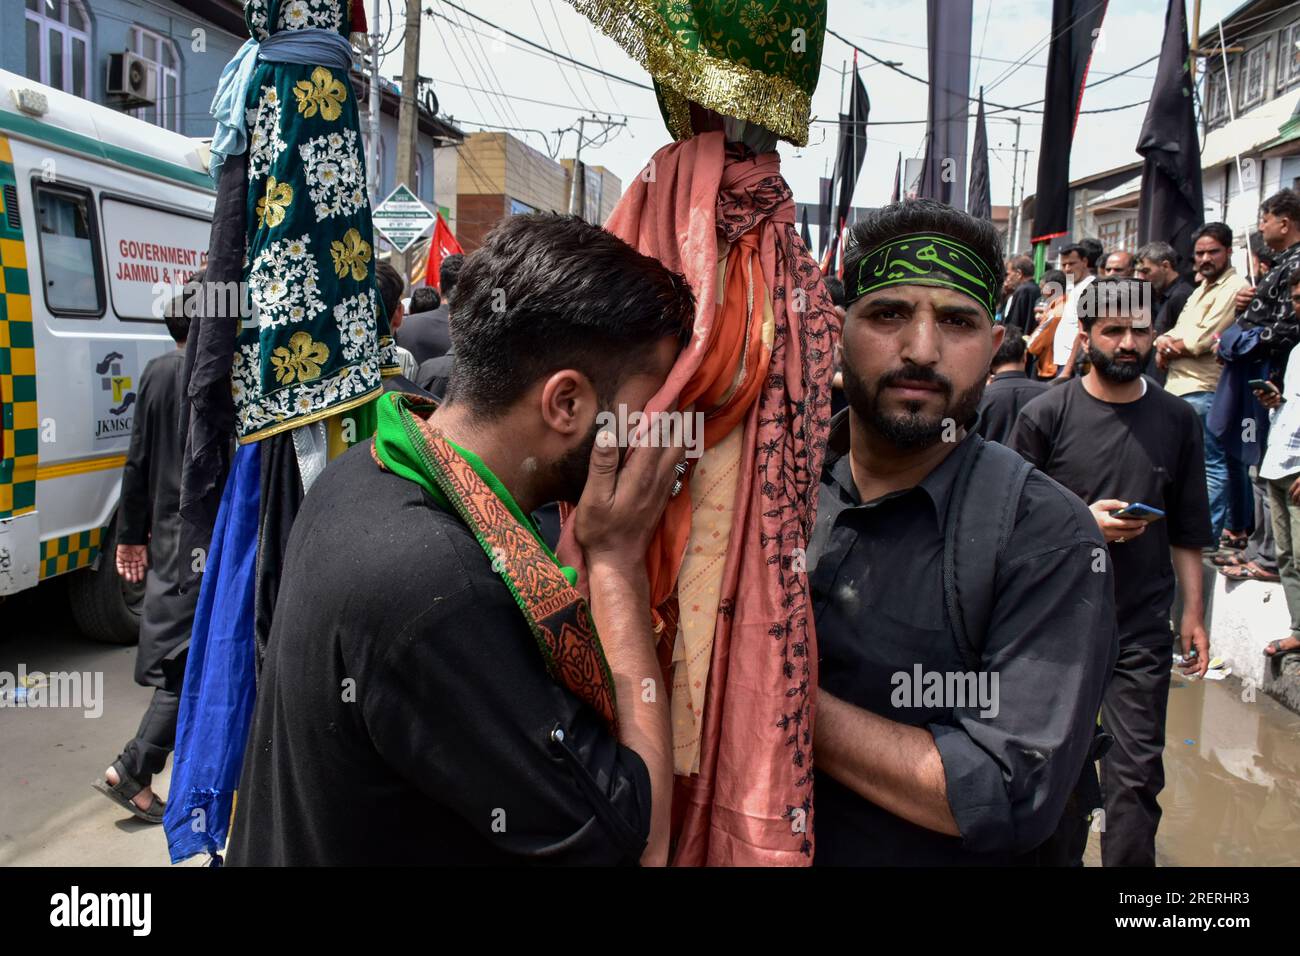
{"x": 1232, "y": 766}
{"x": 1232, "y": 779}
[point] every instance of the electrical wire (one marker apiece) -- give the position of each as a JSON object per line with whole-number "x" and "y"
{"x": 585, "y": 66}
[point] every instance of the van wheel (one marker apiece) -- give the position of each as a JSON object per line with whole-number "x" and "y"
{"x": 105, "y": 606}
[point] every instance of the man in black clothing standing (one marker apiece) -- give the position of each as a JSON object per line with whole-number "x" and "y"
{"x": 911, "y": 769}
{"x": 148, "y": 549}
{"x": 426, "y": 335}
{"x": 1023, "y": 294}
{"x": 1115, "y": 440}
{"x": 1158, "y": 264}
{"x": 1009, "y": 390}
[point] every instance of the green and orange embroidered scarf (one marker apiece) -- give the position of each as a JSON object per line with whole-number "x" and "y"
{"x": 557, "y": 614}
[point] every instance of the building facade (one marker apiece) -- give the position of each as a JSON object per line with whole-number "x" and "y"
{"x": 498, "y": 175}
{"x": 1249, "y": 95}
{"x": 182, "y": 46}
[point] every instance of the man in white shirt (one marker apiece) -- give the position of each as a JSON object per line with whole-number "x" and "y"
{"x": 1280, "y": 471}
{"x": 1079, "y": 263}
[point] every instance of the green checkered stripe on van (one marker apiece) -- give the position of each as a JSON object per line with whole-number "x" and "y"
{"x": 72, "y": 551}
{"x": 19, "y": 432}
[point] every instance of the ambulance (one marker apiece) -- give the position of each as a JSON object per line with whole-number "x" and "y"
{"x": 100, "y": 214}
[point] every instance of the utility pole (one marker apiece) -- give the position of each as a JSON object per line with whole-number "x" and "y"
{"x": 576, "y": 203}
{"x": 408, "y": 114}
{"x": 1195, "y": 41}
{"x": 1015, "y": 206}
{"x": 372, "y": 148}
{"x": 577, "y": 169}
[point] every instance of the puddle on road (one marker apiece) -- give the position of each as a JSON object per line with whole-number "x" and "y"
{"x": 1232, "y": 779}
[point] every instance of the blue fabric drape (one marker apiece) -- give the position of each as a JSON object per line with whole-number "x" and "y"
{"x": 217, "y": 700}
{"x": 310, "y": 46}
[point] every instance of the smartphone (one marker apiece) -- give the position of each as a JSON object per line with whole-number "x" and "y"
{"x": 1139, "y": 511}
{"x": 1262, "y": 385}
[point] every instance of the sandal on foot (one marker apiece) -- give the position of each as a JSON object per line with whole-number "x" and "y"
{"x": 1275, "y": 647}
{"x": 1228, "y": 559}
{"x": 126, "y": 788}
{"x": 1250, "y": 571}
{"x": 1234, "y": 542}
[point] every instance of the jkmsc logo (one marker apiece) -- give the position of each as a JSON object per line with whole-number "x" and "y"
{"x": 115, "y": 398}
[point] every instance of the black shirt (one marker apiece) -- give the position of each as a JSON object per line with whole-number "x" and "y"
{"x": 404, "y": 714}
{"x": 434, "y": 374}
{"x": 1271, "y": 307}
{"x": 1020, "y": 306}
{"x": 877, "y": 584}
{"x": 425, "y": 335}
{"x": 1003, "y": 398}
{"x": 149, "y": 513}
{"x": 1170, "y": 304}
{"x": 1147, "y": 451}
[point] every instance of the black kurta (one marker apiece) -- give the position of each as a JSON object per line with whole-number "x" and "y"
{"x": 876, "y": 570}
{"x": 149, "y": 513}
{"x": 404, "y": 713}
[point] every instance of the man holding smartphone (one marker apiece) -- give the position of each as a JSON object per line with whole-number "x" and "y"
{"x": 1114, "y": 439}
{"x": 1280, "y": 472}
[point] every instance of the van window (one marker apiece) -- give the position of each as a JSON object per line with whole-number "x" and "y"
{"x": 69, "y": 263}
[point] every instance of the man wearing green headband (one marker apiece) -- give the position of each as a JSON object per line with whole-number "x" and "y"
{"x": 962, "y": 599}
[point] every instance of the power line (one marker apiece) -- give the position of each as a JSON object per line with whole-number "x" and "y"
{"x": 538, "y": 46}
{"x": 525, "y": 99}
{"x": 988, "y": 59}
{"x": 998, "y": 107}
{"x": 1051, "y": 36}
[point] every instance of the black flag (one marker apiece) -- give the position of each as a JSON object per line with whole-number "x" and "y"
{"x": 1172, "y": 206}
{"x": 1075, "y": 24}
{"x": 898, "y": 180}
{"x": 980, "y": 201}
{"x": 824, "y": 215}
{"x": 943, "y": 176}
{"x": 804, "y": 234}
{"x": 853, "y": 150}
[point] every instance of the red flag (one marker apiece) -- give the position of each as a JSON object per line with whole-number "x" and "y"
{"x": 441, "y": 244}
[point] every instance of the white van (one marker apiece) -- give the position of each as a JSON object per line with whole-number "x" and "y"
{"x": 98, "y": 211}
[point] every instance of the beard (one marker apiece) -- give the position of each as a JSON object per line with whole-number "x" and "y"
{"x": 568, "y": 475}
{"x": 910, "y": 429}
{"x": 1110, "y": 368}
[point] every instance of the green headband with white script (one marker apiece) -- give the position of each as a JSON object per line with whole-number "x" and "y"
{"x": 927, "y": 259}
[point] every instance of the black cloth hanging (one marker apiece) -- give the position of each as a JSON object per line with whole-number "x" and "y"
{"x": 207, "y": 409}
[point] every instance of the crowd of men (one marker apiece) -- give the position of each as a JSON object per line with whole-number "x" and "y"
{"x": 1015, "y": 488}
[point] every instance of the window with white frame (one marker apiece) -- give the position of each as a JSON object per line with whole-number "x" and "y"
{"x": 1288, "y": 55}
{"x": 160, "y": 53}
{"x": 1253, "y": 86}
{"x": 1217, "y": 97}
{"x": 58, "y": 45}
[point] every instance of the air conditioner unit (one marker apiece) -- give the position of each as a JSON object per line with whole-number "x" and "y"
{"x": 133, "y": 78}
